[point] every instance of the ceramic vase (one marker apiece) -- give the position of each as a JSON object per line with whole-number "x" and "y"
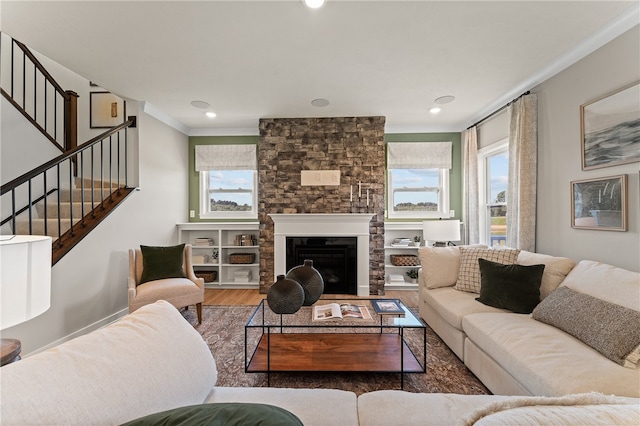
{"x": 285, "y": 296}
{"x": 310, "y": 280}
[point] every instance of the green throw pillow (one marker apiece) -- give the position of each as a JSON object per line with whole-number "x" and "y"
{"x": 221, "y": 414}
{"x": 513, "y": 287}
{"x": 162, "y": 262}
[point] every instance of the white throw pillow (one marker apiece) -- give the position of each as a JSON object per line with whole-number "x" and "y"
{"x": 555, "y": 269}
{"x": 469, "y": 271}
{"x": 440, "y": 265}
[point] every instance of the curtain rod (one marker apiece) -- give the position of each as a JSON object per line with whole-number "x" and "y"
{"x": 499, "y": 109}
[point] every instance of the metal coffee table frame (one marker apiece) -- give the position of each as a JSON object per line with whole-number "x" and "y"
{"x": 295, "y": 343}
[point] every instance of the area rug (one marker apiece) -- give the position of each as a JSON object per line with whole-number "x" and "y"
{"x": 223, "y": 329}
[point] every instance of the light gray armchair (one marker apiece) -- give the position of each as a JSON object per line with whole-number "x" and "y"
{"x": 180, "y": 292}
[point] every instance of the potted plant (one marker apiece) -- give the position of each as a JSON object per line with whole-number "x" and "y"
{"x": 413, "y": 274}
{"x": 416, "y": 240}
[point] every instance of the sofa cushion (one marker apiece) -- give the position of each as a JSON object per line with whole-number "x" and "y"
{"x": 546, "y": 360}
{"x": 227, "y": 414}
{"x": 469, "y": 272}
{"x": 149, "y": 361}
{"x": 611, "y": 329}
{"x": 606, "y": 282}
{"x": 555, "y": 269}
{"x": 314, "y": 407}
{"x": 440, "y": 265}
{"x": 452, "y": 305}
{"x": 162, "y": 262}
{"x": 513, "y": 287}
{"x": 396, "y": 407}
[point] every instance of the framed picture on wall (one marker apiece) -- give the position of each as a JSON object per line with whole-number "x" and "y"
{"x": 610, "y": 128}
{"x": 599, "y": 203}
{"x": 106, "y": 110}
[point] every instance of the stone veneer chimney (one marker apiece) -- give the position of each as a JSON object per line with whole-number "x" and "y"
{"x": 353, "y": 145}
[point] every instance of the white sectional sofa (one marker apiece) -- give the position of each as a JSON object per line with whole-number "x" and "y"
{"x": 152, "y": 361}
{"x": 516, "y": 354}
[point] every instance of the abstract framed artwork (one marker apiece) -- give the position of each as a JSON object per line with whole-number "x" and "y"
{"x": 610, "y": 128}
{"x": 599, "y": 203}
{"x": 106, "y": 110}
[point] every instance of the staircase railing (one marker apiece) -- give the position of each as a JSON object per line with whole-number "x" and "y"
{"x": 37, "y": 95}
{"x": 102, "y": 161}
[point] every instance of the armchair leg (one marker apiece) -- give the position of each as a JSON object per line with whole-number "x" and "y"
{"x": 199, "y": 311}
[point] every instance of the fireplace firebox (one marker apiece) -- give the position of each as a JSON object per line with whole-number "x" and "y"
{"x": 334, "y": 257}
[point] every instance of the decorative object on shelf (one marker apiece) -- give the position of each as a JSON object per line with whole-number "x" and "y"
{"x": 404, "y": 260}
{"x": 413, "y": 274}
{"x": 209, "y": 276}
{"x": 609, "y": 131}
{"x": 416, "y": 240}
{"x": 245, "y": 240}
{"x": 285, "y": 296}
{"x": 310, "y": 280}
{"x": 441, "y": 232}
{"x": 242, "y": 258}
{"x": 214, "y": 256}
{"x": 600, "y": 203}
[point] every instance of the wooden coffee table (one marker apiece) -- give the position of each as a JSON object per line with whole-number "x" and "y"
{"x": 295, "y": 343}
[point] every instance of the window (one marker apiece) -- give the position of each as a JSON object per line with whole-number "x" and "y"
{"x": 419, "y": 193}
{"x": 418, "y": 179}
{"x": 228, "y": 194}
{"x": 228, "y": 181}
{"x": 493, "y": 171}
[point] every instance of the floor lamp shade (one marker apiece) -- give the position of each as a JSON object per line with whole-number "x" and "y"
{"x": 25, "y": 278}
{"x": 441, "y": 231}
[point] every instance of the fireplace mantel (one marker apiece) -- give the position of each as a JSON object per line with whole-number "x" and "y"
{"x": 324, "y": 224}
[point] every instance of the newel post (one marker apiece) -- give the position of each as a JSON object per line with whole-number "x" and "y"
{"x": 71, "y": 125}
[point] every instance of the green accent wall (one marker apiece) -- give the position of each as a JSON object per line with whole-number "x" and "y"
{"x": 455, "y": 175}
{"x": 194, "y": 178}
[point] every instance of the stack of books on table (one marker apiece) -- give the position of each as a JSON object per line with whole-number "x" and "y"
{"x": 203, "y": 241}
{"x": 242, "y": 276}
{"x": 396, "y": 279}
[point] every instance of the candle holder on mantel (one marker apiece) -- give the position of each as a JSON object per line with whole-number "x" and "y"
{"x": 362, "y": 201}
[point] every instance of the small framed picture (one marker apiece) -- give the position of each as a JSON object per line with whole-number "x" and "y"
{"x": 610, "y": 128}
{"x": 387, "y": 306}
{"x": 106, "y": 110}
{"x": 599, "y": 203}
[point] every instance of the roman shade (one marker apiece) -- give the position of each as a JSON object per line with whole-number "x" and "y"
{"x": 419, "y": 155}
{"x": 226, "y": 157}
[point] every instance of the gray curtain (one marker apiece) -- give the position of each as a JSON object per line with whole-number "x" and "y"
{"x": 521, "y": 189}
{"x": 470, "y": 200}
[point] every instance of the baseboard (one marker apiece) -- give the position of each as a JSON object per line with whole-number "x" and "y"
{"x": 85, "y": 330}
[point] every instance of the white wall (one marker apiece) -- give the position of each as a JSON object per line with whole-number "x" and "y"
{"x": 89, "y": 285}
{"x": 559, "y": 162}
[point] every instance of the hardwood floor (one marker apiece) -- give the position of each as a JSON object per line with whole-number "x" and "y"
{"x": 214, "y": 296}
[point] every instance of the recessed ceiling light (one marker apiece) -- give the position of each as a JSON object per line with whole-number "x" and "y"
{"x": 200, "y": 104}
{"x": 313, "y": 4}
{"x": 211, "y": 114}
{"x": 320, "y": 102}
{"x": 445, "y": 99}
{"x": 435, "y": 110}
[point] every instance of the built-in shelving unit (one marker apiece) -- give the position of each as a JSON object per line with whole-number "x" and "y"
{"x": 213, "y": 243}
{"x": 392, "y": 231}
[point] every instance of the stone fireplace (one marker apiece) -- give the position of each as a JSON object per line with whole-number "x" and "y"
{"x": 354, "y": 146}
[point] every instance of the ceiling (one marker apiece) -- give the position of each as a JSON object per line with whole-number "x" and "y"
{"x": 266, "y": 59}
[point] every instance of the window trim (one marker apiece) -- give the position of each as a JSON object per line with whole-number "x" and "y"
{"x": 204, "y": 212}
{"x": 483, "y": 204}
{"x": 443, "y": 200}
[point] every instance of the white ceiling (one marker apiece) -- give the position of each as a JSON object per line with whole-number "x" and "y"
{"x": 255, "y": 59}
